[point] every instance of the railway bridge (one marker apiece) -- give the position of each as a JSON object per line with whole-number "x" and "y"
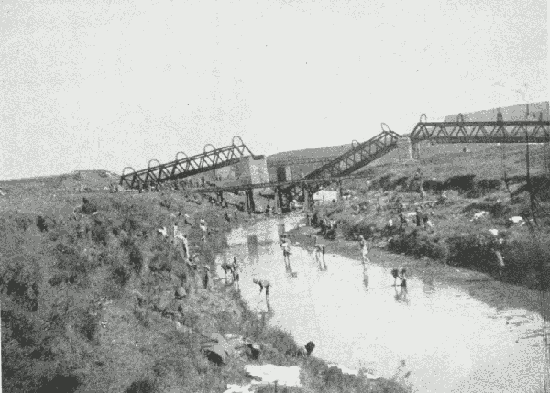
{"x": 332, "y": 169}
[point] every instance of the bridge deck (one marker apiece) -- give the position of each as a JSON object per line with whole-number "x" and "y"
{"x": 483, "y": 132}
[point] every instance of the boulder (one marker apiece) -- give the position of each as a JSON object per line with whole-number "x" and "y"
{"x": 181, "y": 293}
{"x": 165, "y": 298}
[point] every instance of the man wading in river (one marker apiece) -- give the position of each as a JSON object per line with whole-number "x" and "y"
{"x": 285, "y": 245}
{"x": 263, "y": 284}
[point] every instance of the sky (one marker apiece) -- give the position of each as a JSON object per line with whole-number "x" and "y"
{"x": 113, "y": 84}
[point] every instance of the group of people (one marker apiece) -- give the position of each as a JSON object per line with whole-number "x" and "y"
{"x": 395, "y": 272}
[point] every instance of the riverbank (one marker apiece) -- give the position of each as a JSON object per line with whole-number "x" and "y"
{"x": 105, "y": 303}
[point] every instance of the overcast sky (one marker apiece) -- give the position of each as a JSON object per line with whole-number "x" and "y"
{"x": 110, "y": 84}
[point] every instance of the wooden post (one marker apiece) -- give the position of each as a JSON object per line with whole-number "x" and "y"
{"x": 277, "y": 207}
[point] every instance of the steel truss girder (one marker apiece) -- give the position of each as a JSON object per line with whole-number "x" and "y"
{"x": 187, "y": 166}
{"x": 482, "y": 132}
{"x": 357, "y": 157}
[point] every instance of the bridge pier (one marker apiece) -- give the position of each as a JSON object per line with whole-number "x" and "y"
{"x": 250, "y": 205}
{"x": 415, "y": 150}
{"x": 305, "y": 193}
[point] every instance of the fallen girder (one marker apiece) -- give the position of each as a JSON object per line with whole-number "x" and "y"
{"x": 187, "y": 166}
{"x": 358, "y": 156}
{"x": 481, "y": 132}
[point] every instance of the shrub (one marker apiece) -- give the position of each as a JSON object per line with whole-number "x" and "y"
{"x": 462, "y": 183}
{"x": 135, "y": 257}
{"x": 121, "y": 274}
{"x": 433, "y": 185}
{"x": 281, "y": 340}
{"x": 146, "y": 385}
{"x": 363, "y": 227}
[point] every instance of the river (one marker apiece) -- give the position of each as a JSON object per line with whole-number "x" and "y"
{"x": 451, "y": 341}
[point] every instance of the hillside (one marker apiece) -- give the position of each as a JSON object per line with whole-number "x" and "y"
{"x": 93, "y": 179}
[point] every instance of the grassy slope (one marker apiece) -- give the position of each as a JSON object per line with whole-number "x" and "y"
{"x": 52, "y": 336}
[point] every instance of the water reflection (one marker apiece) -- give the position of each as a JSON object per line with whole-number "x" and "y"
{"x": 366, "y": 280}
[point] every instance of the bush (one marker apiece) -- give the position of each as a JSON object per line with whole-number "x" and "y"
{"x": 135, "y": 257}
{"x": 142, "y": 386}
{"x": 121, "y": 274}
{"x": 462, "y": 183}
{"x": 419, "y": 244}
{"x": 363, "y": 227}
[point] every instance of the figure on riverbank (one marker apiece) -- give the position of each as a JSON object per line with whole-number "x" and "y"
{"x": 499, "y": 259}
{"x": 206, "y": 279}
{"x": 263, "y": 284}
{"x": 364, "y": 249}
{"x": 204, "y": 229}
{"x": 235, "y": 272}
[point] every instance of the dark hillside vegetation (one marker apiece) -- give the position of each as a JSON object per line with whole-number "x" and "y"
{"x": 106, "y": 305}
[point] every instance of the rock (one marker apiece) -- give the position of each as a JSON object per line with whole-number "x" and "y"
{"x": 181, "y": 293}
{"x": 165, "y": 299}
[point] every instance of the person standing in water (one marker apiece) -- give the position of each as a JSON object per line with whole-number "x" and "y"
{"x": 364, "y": 249}
{"x": 285, "y": 245}
{"x": 395, "y": 275}
{"x": 263, "y": 284}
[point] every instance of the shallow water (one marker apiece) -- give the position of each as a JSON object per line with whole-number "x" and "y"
{"x": 451, "y": 341}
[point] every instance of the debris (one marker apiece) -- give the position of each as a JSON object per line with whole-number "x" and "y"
{"x": 239, "y": 389}
{"x": 268, "y": 374}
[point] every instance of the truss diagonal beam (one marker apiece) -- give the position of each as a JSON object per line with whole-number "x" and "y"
{"x": 483, "y": 132}
{"x": 357, "y": 157}
{"x": 187, "y": 166}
